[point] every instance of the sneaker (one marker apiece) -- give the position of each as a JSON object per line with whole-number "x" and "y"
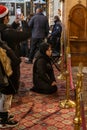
{"x": 10, "y": 117}
{"x": 8, "y": 123}
{"x": 3, "y": 126}
{"x": 11, "y": 123}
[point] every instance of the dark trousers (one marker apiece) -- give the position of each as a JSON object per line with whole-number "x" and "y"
{"x": 24, "y": 49}
{"x": 56, "y": 45}
{"x": 35, "y": 43}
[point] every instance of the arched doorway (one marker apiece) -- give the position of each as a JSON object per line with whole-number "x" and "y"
{"x": 78, "y": 35}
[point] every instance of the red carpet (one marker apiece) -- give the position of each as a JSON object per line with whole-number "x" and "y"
{"x": 38, "y": 111}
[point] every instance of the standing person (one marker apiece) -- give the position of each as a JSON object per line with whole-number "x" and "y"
{"x": 40, "y": 29}
{"x": 55, "y": 35}
{"x": 9, "y": 38}
{"x": 12, "y": 37}
{"x": 43, "y": 75}
{"x": 25, "y": 45}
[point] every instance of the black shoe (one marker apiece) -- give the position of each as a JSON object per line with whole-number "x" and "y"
{"x": 8, "y": 123}
{"x": 3, "y": 126}
{"x": 11, "y": 123}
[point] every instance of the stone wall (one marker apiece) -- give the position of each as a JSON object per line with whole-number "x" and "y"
{"x": 54, "y": 5}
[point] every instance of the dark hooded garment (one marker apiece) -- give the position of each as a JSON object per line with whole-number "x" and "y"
{"x": 43, "y": 74}
{"x": 11, "y": 43}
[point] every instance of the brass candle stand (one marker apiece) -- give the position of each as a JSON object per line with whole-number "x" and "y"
{"x": 61, "y": 63}
{"x": 67, "y": 103}
{"x": 78, "y": 119}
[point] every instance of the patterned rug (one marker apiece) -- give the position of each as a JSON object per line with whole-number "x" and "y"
{"x": 38, "y": 111}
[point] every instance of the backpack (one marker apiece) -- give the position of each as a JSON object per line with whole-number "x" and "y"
{"x": 10, "y": 53}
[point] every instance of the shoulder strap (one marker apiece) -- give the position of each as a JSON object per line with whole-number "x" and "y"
{"x": 1, "y": 41}
{"x": 3, "y": 44}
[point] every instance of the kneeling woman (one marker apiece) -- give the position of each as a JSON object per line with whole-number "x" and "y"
{"x": 43, "y": 75}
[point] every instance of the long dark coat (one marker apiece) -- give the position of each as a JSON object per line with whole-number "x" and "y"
{"x": 43, "y": 75}
{"x": 12, "y": 37}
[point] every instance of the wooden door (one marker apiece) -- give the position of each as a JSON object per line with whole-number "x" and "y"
{"x": 78, "y": 35}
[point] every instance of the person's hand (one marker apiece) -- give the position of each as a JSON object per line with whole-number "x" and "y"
{"x": 53, "y": 83}
{"x": 17, "y": 20}
{"x": 49, "y": 35}
{"x": 21, "y": 17}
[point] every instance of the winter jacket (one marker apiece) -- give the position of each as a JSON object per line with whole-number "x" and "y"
{"x": 55, "y": 37}
{"x": 39, "y": 26}
{"x": 13, "y": 37}
{"x": 43, "y": 75}
{"x": 11, "y": 40}
{"x": 57, "y": 29}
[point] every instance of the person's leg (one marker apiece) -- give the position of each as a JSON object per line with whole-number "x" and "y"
{"x": 15, "y": 79}
{"x": 26, "y": 50}
{"x": 5, "y": 104}
{"x": 22, "y": 49}
{"x": 35, "y": 43}
{"x": 39, "y": 41}
{"x": 32, "y": 49}
{"x": 57, "y": 45}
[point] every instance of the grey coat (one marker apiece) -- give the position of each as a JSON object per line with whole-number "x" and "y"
{"x": 39, "y": 26}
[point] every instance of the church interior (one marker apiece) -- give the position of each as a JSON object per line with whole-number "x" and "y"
{"x": 67, "y": 109}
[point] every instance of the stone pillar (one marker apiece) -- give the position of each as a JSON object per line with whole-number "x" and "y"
{"x": 31, "y": 6}
{"x": 47, "y": 8}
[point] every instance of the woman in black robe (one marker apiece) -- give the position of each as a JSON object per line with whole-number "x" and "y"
{"x": 43, "y": 75}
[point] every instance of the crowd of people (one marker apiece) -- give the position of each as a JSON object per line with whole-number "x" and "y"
{"x": 29, "y": 38}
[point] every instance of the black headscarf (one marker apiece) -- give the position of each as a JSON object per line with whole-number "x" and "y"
{"x": 44, "y": 47}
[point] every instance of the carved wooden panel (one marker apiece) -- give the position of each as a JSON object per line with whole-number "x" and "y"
{"x": 78, "y": 52}
{"x": 78, "y": 35}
